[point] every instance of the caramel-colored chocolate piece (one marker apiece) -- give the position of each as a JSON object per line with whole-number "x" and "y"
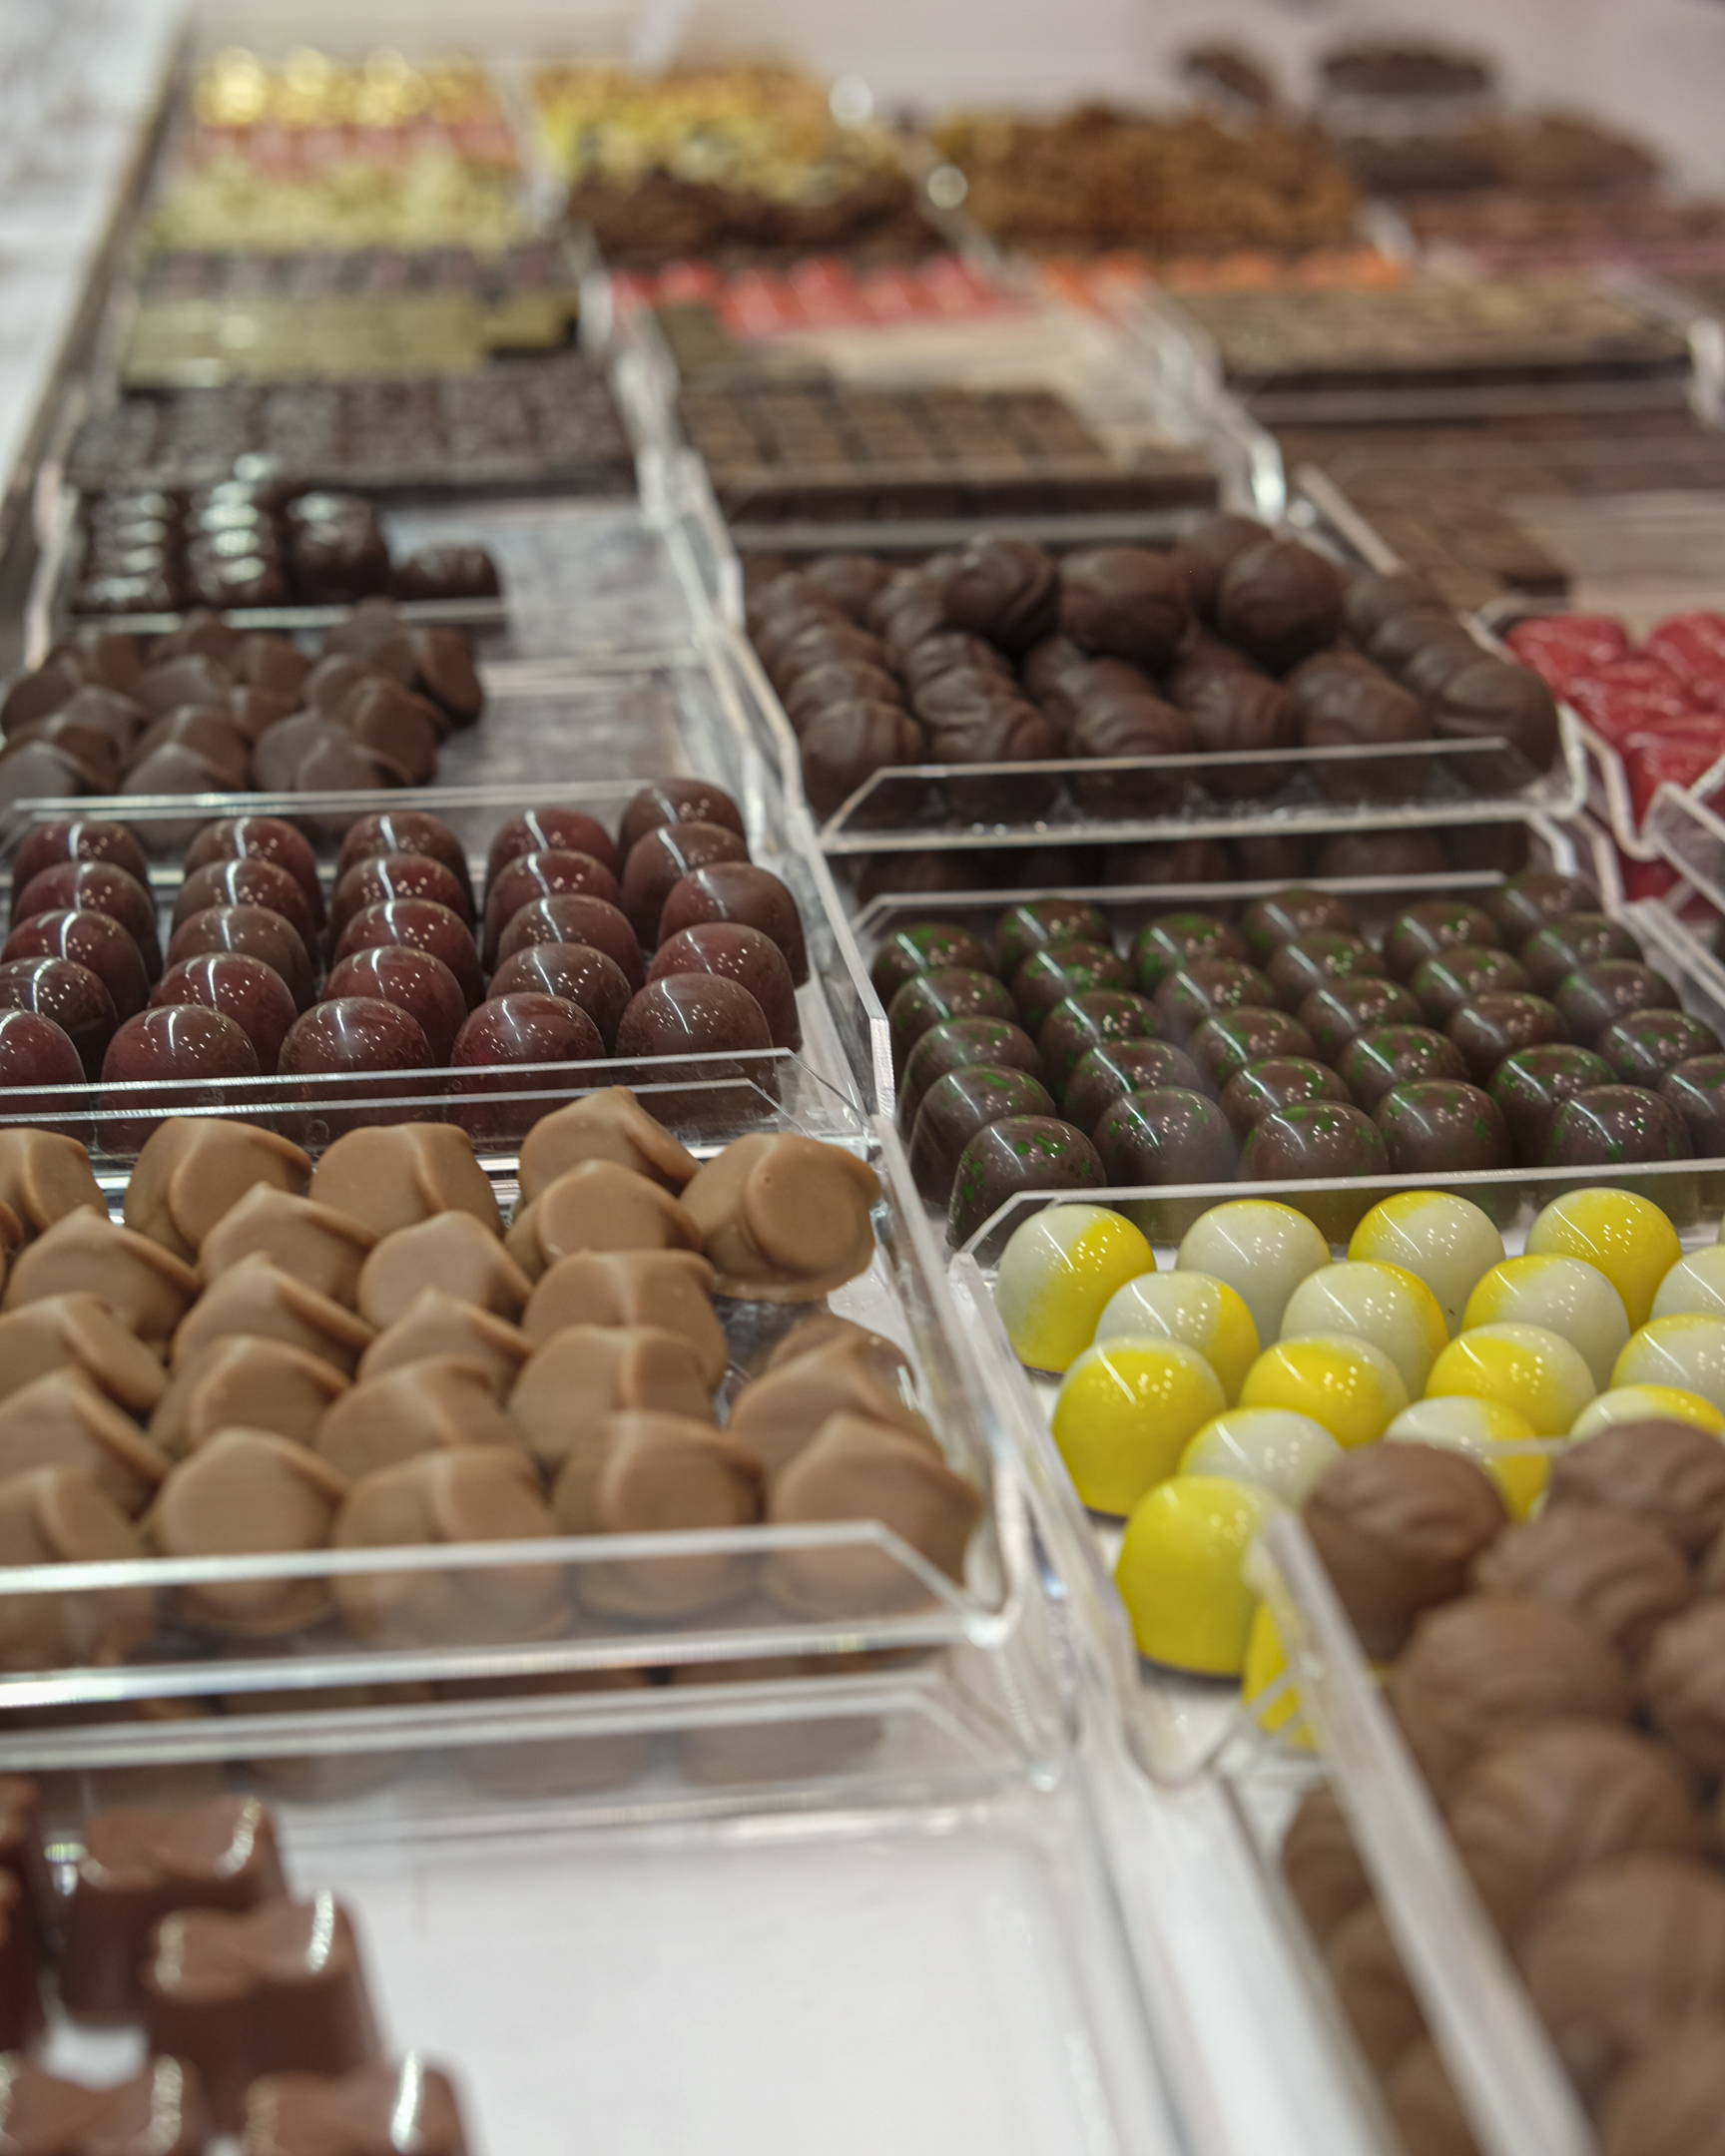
{"x": 63, "y": 1515}
{"x": 452, "y": 1252}
{"x": 21, "y": 2015}
{"x": 668, "y": 1288}
{"x": 785, "y": 1218}
{"x": 1670, "y": 2099}
{"x": 138, "y": 1866}
{"x": 438, "y": 1323}
{"x": 587, "y": 1372}
{"x": 1623, "y": 1574}
{"x": 610, "y": 1126}
{"x": 146, "y": 1287}
{"x": 159, "y": 2111}
{"x": 65, "y": 1419}
{"x": 321, "y": 1247}
{"x": 1321, "y": 1864}
{"x": 243, "y": 1382}
{"x": 259, "y": 1300}
{"x": 807, "y": 1333}
{"x": 779, "y": 1412}
{"x": 396, "y": 2105}
{"x": 1371, "y": 1988}
{"x": 857, "y": 1470}
{"x": 43, "y": 1176}
{"x": 243, "y": 1494}
{"x": 469, "y": 1493}
{"x": 193, "y": 1169}
{"x": 274, "y": 1989}
{"x": 79, "y": 1331}
{"x": 394, "y": 1175}
{"x": 658, "y": 1475}
{"x": 420, "y": 1407}
{"x": 599, "y": 1206}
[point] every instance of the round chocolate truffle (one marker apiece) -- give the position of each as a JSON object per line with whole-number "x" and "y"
{"x": 548, "y": 831}
{"x": 1207, "y": 986}
{"x": 1683, "y": 1682}
{"x": 1434, "y": 925}
{"x": 1205, "y": 553}
{"x": 1233, "y": 710}
{"x": 92, "y": 940}
{"x": 404, "y": 830}
{"x": 69, "y": 839}
{"x": 33, "y": 1052}
{"x": 930, "y": 999}
{"x": 1259, "y": 1089}
{"x": 261, "y": 837}
{"x": 534, "y": 875}
{"x": 739, "y": 891}
{"x": 1438, "y": 1125}
{"x": 1642, "y": 1047}
{"x": 959, "y": 1044}
{"x": 243, "y": 988}
{"x": 252, "y": 930}
{"x": 1531, "y": 1084}
{"x": 521, "y": 1030}
{"x": 575, "y": 919}
{"x": 1021, "y": 1153}
{"x": 182, "y": 1040}
{"x": 1596, "y": 996}
{"x": 94, "y": 887}
{"x": 1624, "y": 1575}
{"x": 1495, "y": 1026}
{"x": 1522, "y": 906}
{"x": 1048, "y": 977}
{"x": 1314, "y": 960}
{"x": 1462, "y": 974}
{"x": 741, "y": 954}
{"x": 1392, "y": 1055}
{"x": 1696, "y": 1089}
{"x": 67, "y": 994}
{"x": 352, "y": 1035}
{"x": 1278, "y": 602}
{"x": 1340, "y": 1012}
{"x": 1230, "y": 1040}
{"x": 1172, "y": 940}
{"x": 1270, "y": 922}
{"x": 666, "y": 800}
{"x": 1005, "y": 591}
{"x": 424, "y": 925}
{"x": 1125, "y": 601}
{"x": 1668, "y": 1472}
{"x": 923, "y": 947}
{"x": 700, "y": 1013}
{"x": 1319, "y": 1141}
{"x": 1165, "y": 1136}
{"x": 1491, "y": 698}
{"x": 660, "y": 860}
{"x": 1108, "y": 1073}
{"x": 253, "y": 882}
{"x": 1569, "y": 940}
{"x": 415, "y": 982}
{"x": 1610, "y": 1124}
{"x": 956, "y": 1108}
{"x": 1044, "y": 925}
{"x": 575, "y": 971}
{"x": 1402, "y": 855}
{"x": 1345, "y": 701}
{"x": 1087, "y": 1021}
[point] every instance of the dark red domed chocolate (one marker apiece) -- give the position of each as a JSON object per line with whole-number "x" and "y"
{"x": 241, "y": 987}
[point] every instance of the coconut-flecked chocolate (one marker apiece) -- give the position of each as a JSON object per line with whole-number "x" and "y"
{"x": 1341, "y": 1011}
{"x": 1499, "y": 1024}
{"x": 1462, "y": 974}
{"x": 1569, "y": 940}
{"x": 1106, "y": 1073}
{"x": 1610, "y": 1124}
{"x": 1043, "y": 925}
{"x": 1311, "y": 962}
{"x": 1021, "y": 1153}
{"x": 932, "y": 999}
{"x": 1531, "y": 1084}
{"x": 1270, "y": 922}
{"x": 1435, "y": 1126}
{"x": 1390, "y": 1055}
{"x": 1048, "y": 977}
{"x": 1523, "y": 903}
{"x": 956, "y": 1108}
{"x": 1258, "y": 1089}
{"x": 1433, "y": 925}
{"x": 1318, "y": 1140}
{"x": 1642, "y": 1047}
{"x": 1227, "y": 1042}
{"x": 923, "y": 947}
{"x": 1165, "y": 1135}
{"x": 1696, "y": 1089}
{"x": 1173, "y": 941}
{"x": 1087, "y": 1021}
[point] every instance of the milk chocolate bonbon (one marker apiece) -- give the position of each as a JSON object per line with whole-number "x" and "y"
{"x": 647, "y": 1472}
{"x": 404, "y": 2104}
{"x": 393, "y": 1177}
{"x": 245, "y": 1493}
{"x": 419, "y": 1407}
{"x": 65, "y": 1419}
{"x": 601, "y": 1206}
{"x": 43, "y": 1176}
{"x": 79, "y": 1331}
{"x": 241, "y": 1381}
{"x": 258, "y": 1299}
{"x": 673, "y": 1289}
{"x": 585, "y": 1373}
{"x": 782, "y": 1411}
{"x": 783, "y": 1217}
{"x": 1622, "y": 1575}
{"x": 194, "y": 1169}
{"x": 609, "y": 1126}
{"x": 159, "y": 2108}
{"x": 146, "y": 1286}
{"x": 321, "y": 1249}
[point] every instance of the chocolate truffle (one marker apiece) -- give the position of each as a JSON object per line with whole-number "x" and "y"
{"x": 1044, "y": 925}
{"x": 1346, "y": 702}
{"x": 923, "y": 947}
{"x": 1321, "y": 1864}
{"x": 1642, "y": 1047}
{"x": 1670, "y": 2099}
{"x": 932, "y": 999}
{"x": 1394, "y": 1055}
{"x": 1205, "y": 553}
{"x": 1228, "y": 1041}
{"x": 69, "y": 996}
{"x": 518, "y": 883}
{"x": 739, "y": 891}
{"x": 402, "y": 830}
{"x": 743, "y": 954}
{"x": 1524, "y": 903}
{"x": 1624, "y": 1575}
{"x": 1315, "y": 960}
{"x": 1668, "y": 1473}
{"x": 1531, "y": 1084}
{"x": 1173, "y": 941}
{"x": 1232, "y": 711}
{"x": 700, "y": 1013}
{"x": 1548, "y": 1806}
{"x": 95, "y": 887}
{"x": 1696, "y": 1089}
{"x": 1462, "y": 974}
{"x": 573, "y": 918}
{"x": 545, "y": 830}
{"x": 1048, "y": 977}
{"x": 1496, "y": 1025}
{"x": 1278, "y": 602}
{"x": 1165, "y": 1135}
{"x": 1022, "y": 1153}
{"x": 1258, "y": 1089}
{"x": 1610, "y": 1124}
{"x": 1438, "y": 1125}
{"x": 516, "y": 1029}
{"x": 426, "y": 925}
{"x": 1107, "y": 1073}
{"x": 1087, "y": 1021}
{"x": 957, "y": 1044}
{"x": 77, "y": 839}
{"x": 1488, "y": 1667}
{"x": 91, "y": 941}
{"x": 256, "y": 931}
{"x": 1490, "y": 698}
{"x": 1431, "y": 926}
{"x": 34, "y": 1052}
{"x": 415, "y": 982}
{"x": 1339, "y": 1014}
{"x": 659, "y": 859}
{"x": 260, "y": 837}
{"x": 183, "y": 1041}
{"x": 1125, "y": 601}
{"x": 1319, "y": 1141}
{"x": 1683, "y": 1679}
{"x": 1206, "y": 986}
{"x": 1270, "y": 922}
{"x": 1569, "y": 940}
{"x": 574, "y": 971}
{"x": 956, "y": 1108}
{"x": 1005, "y": 591}
{"x": 386, "y": 876}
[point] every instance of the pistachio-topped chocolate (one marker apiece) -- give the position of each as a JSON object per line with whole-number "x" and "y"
{"x": 1524, "y": 903}
{"x": 1569, "y": 940}
{"x": 1450, "y": 979}
{"x": 1439, "y": 1126}
{"x": 1022, "y": 1153}
{"x": 1041, "y": 923}
{"x": 923, "y": 947}
{"x": 1048, "y": 977}
{"x": 1186, "y": 998}
{"x": 1646, "y": 1044}
{"x": 1086, "y": 1021}
{"x": 1270, "y": 922}
{"x": 1279, "y": 1082}
{"x": 1166, "y": 1135}
{"x": 1342, "y": 1010}
{"x": 1172, "y": 940}
{"x": 1496, "y": 1024}
{"x": 1107, "y": 1073}
{"x": 1314, "y": 960}
{"x": 930, "y": 999}
{"x": 956, "y": 1108}
{"x": 1321, "y": 1141}
{"x": 1595, "y": 996}
{"x": 1610, "y": 1124}
{"x": 1434, "y": 924}
{"x": 957, "y": 1044}
{"x": 1228, "y": 1040}
{"x": 1530, "y": 1085}
{"x": 1696, "y": 1090}
{"x": 1392, "y": 1055}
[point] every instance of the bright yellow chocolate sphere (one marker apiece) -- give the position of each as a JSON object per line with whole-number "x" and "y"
{"x": 1124, "y": 1416}
{"x": 1499, "y": 1438}
{"x": 1630, "y": 1239}
{"x": 1057, "y": 1275}
{"x": 1686, "y": 1353}
{"x": 1695, "y": 1283}
{"x": 1524, "y": 1366}
{"x": 1345, "y": 1385}
{"x": 1378, "y": 1303}
{"x": 1260, "y": 1248}
{"x": 1192, "y": 1306}
{"x": 1565, "y": 1295}
{"x": 1284, "y": 1453}
{"x": 1180, "y": 1572}
{"x": 1649, "y": 1404}
{"x": 1445, "y": 1241}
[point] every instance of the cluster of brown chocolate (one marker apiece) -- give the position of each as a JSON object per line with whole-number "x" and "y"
{"x": 1232, "y": 650}
{"x": 208, "y": 708}
{"x": 270, "y": 1357}
{"x": 254, "y": 2004}
{"x": 1560, "y": 1683}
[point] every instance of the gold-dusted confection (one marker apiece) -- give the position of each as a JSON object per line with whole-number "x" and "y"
{"x": 451, "y": 1251}
{"x": 418, "y": 1408}
{"x": 146, "y": 1287}
{"x": 598, "y": 1205}
{"x": 79, "y": 1331}
{"x": 863, "y": 1470}
{"x": 655, "y": 1475}
{"x": 65, "y": 1419}
{"x": 314, "y": 1243}
{"x": 467, "y": 1493}
{"x": 394, "y": 1175}
{"x": 193, "y": 1169}
{"x": 63, "y": 1515}
{"x": 44, "y": 1176}
{"x": 785, "y": 1218}
{"x": 779, "y": 1412}
{"x": 247, "y": 1382}
{"x": 439, "y": 1323}
{"x": 672, "y": 1288}
{"x": 611, "y": 1126}
{"x": 259, "y": 1299}
{"x": 585, "y": 1373}
{"x": 245, "y": 1493}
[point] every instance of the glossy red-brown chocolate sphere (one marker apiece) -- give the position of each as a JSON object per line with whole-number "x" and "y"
{"x": 261, "y": 837}
{"x": 358, "y": 1034}
{"x": 34, "y": 1051}
{"x": 542, "y": 876}
{"x": 529, "y": 1029}
{"x": 660, "y": 860}
{"x": 253, "y": 930}
{"x": 382, "y": 876}
{"x": 241, "y": 987}
{"x": 575, "y": 971}
{"x": 415, "y": 982}
{"x": 742, "y": 954}
{"x": 249, "y": 882}
{"x": 178, "y": 1040}
{"x": 403, "y": 831}
{"x": 575, "y": 919}
{"x": 73, "y": 997}
{"x": 547, "y": 830}
{"x": 692, "y": 1015}
{"x": 94, "y": 887}
{"x": 77, "y": 839}
{"x": 677, "y": 801}
{"x": 422, "y": 924}
{"x": 739, "y": 891}
{"x": 88, "y": 939}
